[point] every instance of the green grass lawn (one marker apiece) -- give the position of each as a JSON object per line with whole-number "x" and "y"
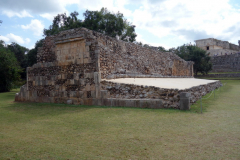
{"x": 220, "y": 73}
{"x": 223, "y": 72}
{"x": 58, "y": 131}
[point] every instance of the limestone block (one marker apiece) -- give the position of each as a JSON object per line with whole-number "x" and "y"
{"x": 97, "y": 77}
{"x": 64, "y": 94}
{"x": 64, "y": 76}
{"x": 80, "y": 94}
{"x": 137, "y": 103}
{"x": 72, "y": 81}
{"x": 86, "y": 60}
{"x": 82, "y": 81}
{"x": 129, "y": 102}
{"x": 87, "y": 88}
{"x": 145, "y": 104}
{"x": 73, "y": 94}
{"x": 93, "y": 94}
{"x": 46, "y": 99}
{"x": 80, "y": 101}
{"x": 79, "y": 61}
{"x": 88, "y": 101}
{"x": 104, "y": 94}
{"x": 185, "y": 100}
{"x": 96, "y": 102}
{"x": 122, "y": 103}
{"x": 70, "y": 101}
{"x": 156, "y": 103}
{"x": 86, "y": 75}
{"x": 97, "y": 92}
{"x": 86, "y": 54}
{"x": 76, "y": 76}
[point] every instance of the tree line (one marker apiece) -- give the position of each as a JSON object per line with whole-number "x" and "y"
{"x": 15, "y": 58}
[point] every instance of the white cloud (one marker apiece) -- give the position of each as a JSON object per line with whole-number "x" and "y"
{"x": 20, "y": 14}
{"x": 183, "y": 20}
{"x": 48, "y": 16}
{"x": 36, "y": 26}
{"x": 50, "y": 8}
{"x": 14, "y": 38}
{"x": 188, "y": 19}
{"x": 27, "y": 40}
{"x": 26, "y": 8}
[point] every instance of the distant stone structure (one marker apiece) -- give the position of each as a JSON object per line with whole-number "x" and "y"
{"x": 217, "y": 47}
{"x": 226, "y": 63}
{"x": 72, "y": 65}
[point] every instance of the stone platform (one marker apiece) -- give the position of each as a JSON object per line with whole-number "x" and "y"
{"x": 167, "y": 90}
{"x": 167, "y": 83}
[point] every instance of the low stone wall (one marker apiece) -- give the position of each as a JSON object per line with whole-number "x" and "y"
{"x": 226, "y": 63}
{"x": 220, "y": 75}
{"x": 170, "y": 98}
{"x": 221, "y": 52}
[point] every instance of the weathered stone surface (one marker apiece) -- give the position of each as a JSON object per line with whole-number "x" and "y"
{"x": 184, "y": 101}
{"x": 226, "y": 63}
{"x": 170, "y": 98}
{"x": 71, "y": 65}
{"x": 217, "y": 47}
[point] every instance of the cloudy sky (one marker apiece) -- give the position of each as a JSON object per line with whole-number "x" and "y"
{"x": 167, "y": 23}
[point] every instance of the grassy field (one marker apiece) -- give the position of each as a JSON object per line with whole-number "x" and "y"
{"x": 223, "y": 72}
{"x": 58, "y": 131}
{"x": 220, "y": 73}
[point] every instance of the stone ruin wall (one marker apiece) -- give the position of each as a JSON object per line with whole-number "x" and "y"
{"x": 221, "y": 52}
{"x": 119, "y": 59}
{"x": 202, "y": 43}
{"x": 167, "y": 98}
{"x": 71, "y": 64}
{"x": 67, "y": 68}
{"x": 226, "y": 63}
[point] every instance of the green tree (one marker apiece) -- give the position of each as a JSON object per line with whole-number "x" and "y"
{"x": 63, "y": 22}
{"x": 102, "y": 21}
{"x": 162, "y": 49}
{"x": 172, "y": 49}
{"x": 20, "y": 54}
{"x": 32, "y": 54}
{"x": 199, "y": 56}
{"x": 9, "y": 68}
{"x": 159, "y": 48}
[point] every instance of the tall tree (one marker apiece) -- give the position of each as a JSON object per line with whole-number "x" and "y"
{"x": 63, "y": 22}
{"x": 199, "y": 56}
{"x": 9, "y": 68}
{"x": 20, "y": 54}
{"x": 102, "y": 21}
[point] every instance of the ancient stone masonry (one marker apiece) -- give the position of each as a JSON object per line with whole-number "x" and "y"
{"x": 227, "y": 63}
{"x": 130, "y": 60}
{"x": 170, "y": 98}
{"x": 71, "y": 65}
{"x": 217, "y": 47}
